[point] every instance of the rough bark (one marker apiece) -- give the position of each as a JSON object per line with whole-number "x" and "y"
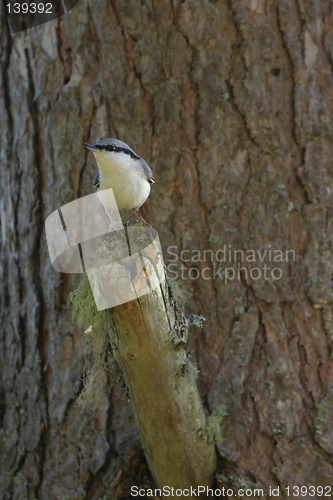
{"x": 230, "y": 104}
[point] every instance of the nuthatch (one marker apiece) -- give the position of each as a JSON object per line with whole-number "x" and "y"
{"x": 121, "y": 169}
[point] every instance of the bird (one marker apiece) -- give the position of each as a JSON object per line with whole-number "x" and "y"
{"x": 121, "y": 169}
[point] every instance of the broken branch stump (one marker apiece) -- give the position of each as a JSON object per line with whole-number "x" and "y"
{"x": 149, "y": 336}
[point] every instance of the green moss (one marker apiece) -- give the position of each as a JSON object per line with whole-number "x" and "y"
{"x": 239, "y": 310}
{"x": 96, "y": 324}
{"x": 270, "y": 384}
{"x": 320, "y": 417}
{"x": 213, "y": 239}
{"x": 213, "y": 428}
{"x": 277, "y": 427}
{"x": 85, "y": 312}
{"x": 321, "y": 408}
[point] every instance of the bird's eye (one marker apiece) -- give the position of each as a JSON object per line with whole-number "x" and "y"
{"x": 112, "y": 147}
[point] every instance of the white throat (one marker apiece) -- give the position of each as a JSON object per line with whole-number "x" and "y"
{"x": 124, "y": 175}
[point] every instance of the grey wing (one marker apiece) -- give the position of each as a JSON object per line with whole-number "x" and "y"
{"x": 96, "y": 182}
{"x": 147, "y": 170}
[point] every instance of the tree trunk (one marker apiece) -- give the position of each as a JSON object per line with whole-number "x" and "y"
{"x": 230, "y": 104}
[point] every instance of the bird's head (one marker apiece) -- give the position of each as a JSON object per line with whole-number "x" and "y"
{"x": 113, "y": 150}
{"x": 112, "y": 154}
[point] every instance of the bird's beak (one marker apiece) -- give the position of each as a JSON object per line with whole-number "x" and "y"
{"x": 91, "y": 147}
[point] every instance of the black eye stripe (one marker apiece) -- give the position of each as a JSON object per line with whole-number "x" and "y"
{"x": 106, "y": 147}
{"x": 116, "y": 149}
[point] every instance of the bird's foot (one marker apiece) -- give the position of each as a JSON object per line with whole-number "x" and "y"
{"x": 140, "y": 220}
